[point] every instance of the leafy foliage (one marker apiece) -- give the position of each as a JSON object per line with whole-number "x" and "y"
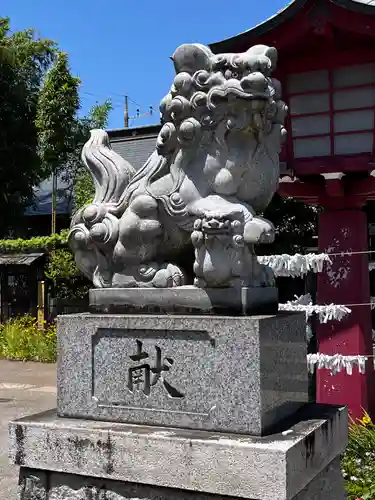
{"x": 21, "y": 339}
{"x": 68, "y": 282}
{"x": 358, "y": 462}
{"x": 84, "y": 189}
{"x": 56, "y": 115}
{"x": 295, "y": 224}
{"x": 97, "y": 117}
{"x": 24, "y": 60}
{"x": 40, "y": 134}
{"x": 40, "y": 131}
{"x": 41, "y": 243}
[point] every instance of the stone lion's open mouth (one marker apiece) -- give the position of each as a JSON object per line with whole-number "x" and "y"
{"x": 216, "y": 226}
{"x": 238, "y": 89}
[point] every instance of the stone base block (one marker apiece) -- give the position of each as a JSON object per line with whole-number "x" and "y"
{"x": 43, "y": 485}
{"x": 230, "y": 374}
{"x": 185, "y": 300}
{"x": 294, "y": 463}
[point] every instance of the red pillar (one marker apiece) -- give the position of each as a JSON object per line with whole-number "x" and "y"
{"x": 346, "y": 281}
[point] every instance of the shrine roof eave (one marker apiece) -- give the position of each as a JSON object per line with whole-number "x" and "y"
{"x": 282, "y": 16}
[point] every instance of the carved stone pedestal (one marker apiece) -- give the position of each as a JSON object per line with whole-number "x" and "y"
{"x": 43, "y": 485}
{"x": 85, "y": 460}
{"x": 185, "y": 300}
{"x": 154, "y": 407}
{"x": 231, "y": 374}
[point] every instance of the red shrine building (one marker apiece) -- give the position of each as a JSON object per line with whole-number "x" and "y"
{"x": 327, "y": 68}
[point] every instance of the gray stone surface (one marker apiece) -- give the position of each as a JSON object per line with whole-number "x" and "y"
{"x": 40, "y": 485}
{"x": 327, "y": 485}
{"x": 276, "y": 467}
{"x": 185, "y": 300}
{"x": 214, "y": 168}
{"x": 218, "y": 373}
{"x": 25, "y": 388}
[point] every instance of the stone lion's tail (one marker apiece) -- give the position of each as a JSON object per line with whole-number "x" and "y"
{"x": 110, "y": 172}
{"x": 94, "y": 228}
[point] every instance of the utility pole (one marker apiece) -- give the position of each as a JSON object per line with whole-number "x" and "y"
{"x": 126, "y": 113}
{"x": 138, "y": 114}
{"x": 54, "y": 193}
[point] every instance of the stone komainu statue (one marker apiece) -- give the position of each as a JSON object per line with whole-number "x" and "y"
{"x": 215, "y": 166}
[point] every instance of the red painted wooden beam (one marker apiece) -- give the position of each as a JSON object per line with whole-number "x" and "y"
{"x": 335, "y": 186}
{"x": 316, "y": 166}
{"x": 361, "y": 187}
{"x": 302, "y": 190}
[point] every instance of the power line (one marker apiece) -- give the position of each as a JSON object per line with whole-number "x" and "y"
{"x": 118, "y": 95}
{"x": 115, "y": 105}
{"x": 139, "y": 105}
{"x": 128, "y": 120}
{"x": 86, "y": 96}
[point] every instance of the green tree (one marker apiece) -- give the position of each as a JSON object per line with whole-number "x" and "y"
{"x": 6, "y": 53}
{"x": 56, "y": 121}
{"x": 24, "y": 60}
{"x": 67, "y": 281}
{"x": 296, "y": 224}
{"x": 58, "y": 104}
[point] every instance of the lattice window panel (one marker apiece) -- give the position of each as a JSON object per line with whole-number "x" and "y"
{"x": 331, "y": 111}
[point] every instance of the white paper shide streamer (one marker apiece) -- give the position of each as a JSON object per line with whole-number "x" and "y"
{"x": 285, "y": 265}
{"x": 299, "y": 265}
{"x": 336, "y": 363}
{"x": 325, "y": 313}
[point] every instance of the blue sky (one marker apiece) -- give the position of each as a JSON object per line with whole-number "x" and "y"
{"x": 120, "y": 47}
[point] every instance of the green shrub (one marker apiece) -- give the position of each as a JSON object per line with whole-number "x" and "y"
{"x": 358, "y": 462}
{"x": 68, "y": 282}
{"x": 38, "y": 243}
{"x": 20, "y": 339}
